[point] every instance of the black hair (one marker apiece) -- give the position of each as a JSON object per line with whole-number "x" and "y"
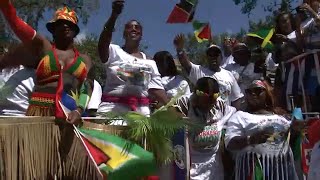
{"x": 277, "y": 19}
{"x": 165, "y": 56}
{"x": 207, "y": 85}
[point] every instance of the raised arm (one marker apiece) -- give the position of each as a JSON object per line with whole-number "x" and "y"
{"x": 22, "y": 30}
{"x": 183, "y": 58}
{"x": 27, "y": 54}
{"x": 106, "y": 34}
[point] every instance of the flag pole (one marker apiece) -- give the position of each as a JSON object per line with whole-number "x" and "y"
{"x": 78, "y": 134}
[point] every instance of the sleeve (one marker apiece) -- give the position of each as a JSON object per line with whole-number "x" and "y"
{"x": 185, "y": 86}
{"x": 182, "y": 105}
{"x": 228, "y": 111}
{"x": 234, "y": 128}
{"x": 235, "y": 89}
{"x": 22, "y": 30}
{"x": 95, "y": 99}
{"x": 155, "y": 82}
{"x": 195, "y": 73}
{"x": 112, "y": 53}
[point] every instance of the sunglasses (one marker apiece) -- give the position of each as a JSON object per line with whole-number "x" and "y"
{"x": 256, "y": 91}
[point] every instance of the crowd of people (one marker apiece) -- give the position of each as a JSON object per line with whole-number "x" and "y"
{"x": 242, "y": 101}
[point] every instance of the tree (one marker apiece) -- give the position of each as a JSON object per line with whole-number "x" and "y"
{"x": 269, "y": 6}
{"x": 89, "y": 46}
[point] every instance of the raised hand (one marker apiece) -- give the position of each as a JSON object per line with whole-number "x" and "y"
{"x": 260, "y": 137}
{"x": 117, "y": 6}
{"x": 179, "y": 41}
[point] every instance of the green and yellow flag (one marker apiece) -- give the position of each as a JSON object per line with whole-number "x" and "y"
{"x": 202, "y": 31}
{"x": 264, "y": 35}
{"x": 115, "y": 157}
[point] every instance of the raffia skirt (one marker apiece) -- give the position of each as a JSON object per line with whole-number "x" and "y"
{"x": 42, "y": 147}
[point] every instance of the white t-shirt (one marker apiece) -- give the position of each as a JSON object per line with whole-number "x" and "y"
{"x": 243, "y": 124}
{"x": 227, "y": 61}
{"x": 16, "y": 90}
{"x": 174, "y": 84}
{"x": 229, "y": 88}
{"x": 313, "y": 37}
{"x": 128, "y": 75}
{"x": 95, "y": 98}
{"x": 244, "y": 75}
{"x": 206, "y": 162}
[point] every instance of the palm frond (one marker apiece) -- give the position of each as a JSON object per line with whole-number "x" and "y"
{"x": 157, "y": 129}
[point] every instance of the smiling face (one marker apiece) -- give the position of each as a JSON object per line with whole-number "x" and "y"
{"x": 214, "y": 58}
{"x": 64, "y": 29}
{"x": 132, "y": 31}
{"x": 256, "y": 97}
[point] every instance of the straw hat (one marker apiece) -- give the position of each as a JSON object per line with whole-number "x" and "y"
{"x": 64, "y": 14}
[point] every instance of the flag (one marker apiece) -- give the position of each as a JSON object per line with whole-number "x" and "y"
{"x": 264, "y": 35}
{"x": 297, "y": 113}
{"x": 183, "y": 12}
{"x": 115, "y": 157}
{"x": 202, "y": 31}
{"x": 304, "y": 144}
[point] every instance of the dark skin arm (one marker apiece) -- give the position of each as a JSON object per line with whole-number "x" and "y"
{"x": 183, "y": 58}
{"x": 240, "y": 142}
{"x": 27, "y": 54}
{"x": 237, "y": 103}
{"x": 106, "y": 34}
{"x": 159, "y": 95}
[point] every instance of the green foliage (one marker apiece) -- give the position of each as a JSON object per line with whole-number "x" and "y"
{"x": 266, "y": 23}
{"x": 157, "y": 129}
{"x": 33, "y": 10}
{"x": 89, "y": 46}
{"x": 196, "y": 51}
{"x": 269, "y": 6}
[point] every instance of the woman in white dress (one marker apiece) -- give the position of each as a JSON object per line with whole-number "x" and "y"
{"x": 170, "y": 78}
{"x": 205, "y": 108}
{"x": 259, "y": 138}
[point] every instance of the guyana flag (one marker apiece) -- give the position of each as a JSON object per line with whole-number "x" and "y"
{"x": 202, "y": 31}
{"x": 116, "y": 158}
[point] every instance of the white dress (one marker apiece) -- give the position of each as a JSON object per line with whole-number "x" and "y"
{"x": 174, "y": 84}
{"x": 15, "y": 89}
{"x": 205, "y": 153}
{"x": 274, "y": 157}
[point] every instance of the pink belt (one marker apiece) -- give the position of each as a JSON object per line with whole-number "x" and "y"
{"x": 132, "y": 101}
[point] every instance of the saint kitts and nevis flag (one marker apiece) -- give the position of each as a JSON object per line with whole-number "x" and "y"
{"x": 183, "y": 12}
{"x": 114, "y": 159}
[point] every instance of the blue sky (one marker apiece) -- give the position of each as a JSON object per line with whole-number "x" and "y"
{"x": 223, "y": 15}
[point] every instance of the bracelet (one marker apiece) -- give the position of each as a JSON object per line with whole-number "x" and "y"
{"x": 78, "y": 112}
